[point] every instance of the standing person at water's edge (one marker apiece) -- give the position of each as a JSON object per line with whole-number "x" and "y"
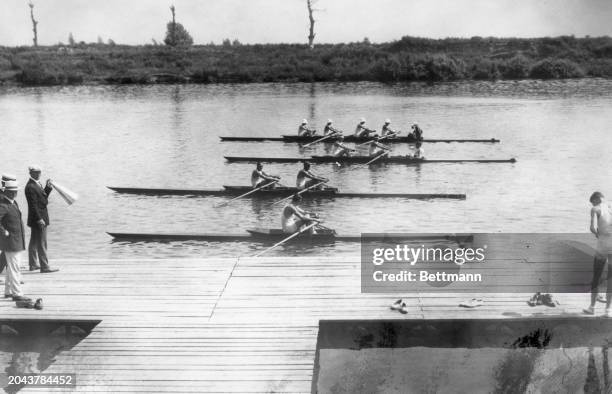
{"x": 5, "y": 178}
{"x": 601, "y": 227}
{"x": 38, "y": 220}
{"x": 12, "y": 240}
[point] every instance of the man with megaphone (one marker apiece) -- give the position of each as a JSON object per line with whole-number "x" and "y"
{"x": 38, "y": 220}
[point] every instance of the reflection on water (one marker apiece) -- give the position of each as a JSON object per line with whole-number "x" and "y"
{"x": 33, "y": 352}
{"x": 88, "y": 137}
{"x": 563, "y": 356}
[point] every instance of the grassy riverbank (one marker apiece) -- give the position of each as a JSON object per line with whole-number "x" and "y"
{"x": 408, "y": 59}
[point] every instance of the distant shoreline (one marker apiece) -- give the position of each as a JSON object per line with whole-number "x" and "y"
{"x": 407, "y": 60}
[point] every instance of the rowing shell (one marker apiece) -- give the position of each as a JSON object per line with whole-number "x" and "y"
{"x": 277, "y": 192}
{"x": 275, "y": 235}
{"x": 348, "y": 138}
{"x": 360, "y": 159}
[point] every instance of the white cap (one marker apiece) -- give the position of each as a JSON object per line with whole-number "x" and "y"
{"x": 34, "y": 167}
{"x": 304, "y": 121}
{"x": 362, "y": 120}
{"x": 8, "y": 177}
{"x": 415, "y": 124}
{"x": 387, "y": 121}
{"x": 329, "y": 121}
{"x": 11, "y": 185}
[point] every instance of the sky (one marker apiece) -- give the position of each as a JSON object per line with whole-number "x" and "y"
{"x": 276, "y": 21}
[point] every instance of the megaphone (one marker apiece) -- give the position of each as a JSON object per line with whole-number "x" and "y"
{"x": 68, "y": 195}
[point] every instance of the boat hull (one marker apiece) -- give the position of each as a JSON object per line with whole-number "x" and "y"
{"x": 275, "y": 235}
{"x": 349, "y": 138}
{"x": 231, "y": 191}
{"x": 360, "y": 160}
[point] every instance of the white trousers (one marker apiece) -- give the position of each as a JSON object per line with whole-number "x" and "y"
{"x": 12, "y": 282}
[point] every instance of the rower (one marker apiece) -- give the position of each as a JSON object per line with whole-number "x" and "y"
{"x": 304, "y": 131}
{"x": 361, "y": 131}
{"x": 419, "y": 153}
{"x": 417, "y": 132}
{"x": 295, "y": 218}
{"x": 305, "y": 178}
{"x": 259, "y": 177}
{"x": 329, "y": 129}
{"x": 376, "y": 148}
{"x": 387, "y": 131}
{"x": 341, "y": 149}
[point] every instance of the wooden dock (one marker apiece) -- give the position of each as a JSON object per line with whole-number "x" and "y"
{"x": 222, "y": 325}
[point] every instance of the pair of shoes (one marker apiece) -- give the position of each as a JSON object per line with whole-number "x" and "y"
{"x": 473, "y": 303}
{"x": 400, "y": 305}
{"x": 536, "y": 299}
{"x": 49, "y": 270}
{"x": 28, "y": 304}
{"x": 542, "y": 299}
{"x": 34, "y": 268}
{"x": 589, "y": 311}
{"x": 21, "y": 298}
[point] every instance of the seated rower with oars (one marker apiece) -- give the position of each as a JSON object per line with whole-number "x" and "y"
{"x": 361, "y": 131}
{"x": 375, "y": 148}
{"x": 260, "y": 178}
{"x": 329, "y": 129}
{"x": 417, "y": 132}
{"x": 304, "y": 131}
{"x": 306, "y": 179}
{"x": 387, "y": 131}
{"x": 419, "y": 153}
{"x": 341, "y": 149}
{"x": 294, "y": 219}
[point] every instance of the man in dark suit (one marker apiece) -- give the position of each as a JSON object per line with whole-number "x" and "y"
{"x": 12, "y": 240}
{"x": 38, "y": 220}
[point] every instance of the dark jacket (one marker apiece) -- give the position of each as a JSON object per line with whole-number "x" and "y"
{"x": 10, "y": 220}
{"x": 37, "y": 202}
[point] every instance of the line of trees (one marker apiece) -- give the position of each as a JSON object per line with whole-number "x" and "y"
{"x": 408, "y": 59}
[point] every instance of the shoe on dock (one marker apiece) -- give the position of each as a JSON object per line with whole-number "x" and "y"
{"x": 535, "y": 300}
{"x": 589, "y": 311}
{"x": 404, "y": 308}
{"x": 473, "y": 303}
{"x": 397, "y": 305}
{"x": 601, "y": 299}
{"x": 548, "y": 300}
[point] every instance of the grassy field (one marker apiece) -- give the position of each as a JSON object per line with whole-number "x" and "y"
{"x": 408, "y": 59}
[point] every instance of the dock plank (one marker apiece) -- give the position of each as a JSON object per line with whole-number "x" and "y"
{"x": 222, "y": 325}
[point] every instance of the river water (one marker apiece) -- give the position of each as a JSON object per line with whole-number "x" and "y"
{"x": 90, "y": 137}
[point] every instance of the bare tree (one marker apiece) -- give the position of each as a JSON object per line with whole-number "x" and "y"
{"x": 34, "y": 24}
{"x": 311, "y": 10}
{"x": 173, "y": 29}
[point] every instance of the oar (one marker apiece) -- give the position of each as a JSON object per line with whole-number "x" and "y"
{"x": 246, "y": 194}
{"x": 298, "y": 193}
{"x": 377, "y": 157}
{"x": 319, "y": 140}
{"x": 374, "y": 139}
{"x": 286, "y": 239}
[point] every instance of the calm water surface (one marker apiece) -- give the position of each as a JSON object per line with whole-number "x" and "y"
{"x": 167, "y": 136}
